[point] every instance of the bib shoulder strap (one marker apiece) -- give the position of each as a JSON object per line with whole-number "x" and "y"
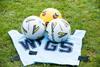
{"x": 79, "y": 34}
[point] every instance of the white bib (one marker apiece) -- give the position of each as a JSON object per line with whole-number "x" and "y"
{"x": 48, "y": 52}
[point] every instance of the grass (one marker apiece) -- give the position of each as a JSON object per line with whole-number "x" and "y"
{"x": 81, "y": 14}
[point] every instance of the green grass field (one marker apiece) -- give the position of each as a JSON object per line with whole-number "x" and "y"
{"x": 81, "y": 14}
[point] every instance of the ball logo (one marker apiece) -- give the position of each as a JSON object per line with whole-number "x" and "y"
{"x": 29, "y": 20}
{"x": 24, "y": 30}
{"x": 35, "y": 29}
{"x": 52, "y": 30}
{"x": 61, "y": 34}
{"x": 55, "y": 16}
{"x": 44, "y": 13}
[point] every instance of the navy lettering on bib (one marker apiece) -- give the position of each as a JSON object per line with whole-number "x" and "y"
{"x": 66, "y": 47}
{"x": 25, "y": 43}
{"x": 61, "y": 47}
{"x": 50, "y": 46}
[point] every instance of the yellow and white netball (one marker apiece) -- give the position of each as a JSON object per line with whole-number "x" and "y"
{"x": 49, "y": 14}
{"x": 33, "y": 27}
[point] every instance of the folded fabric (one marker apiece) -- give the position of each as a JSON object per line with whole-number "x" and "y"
{"x": 48, "y": 52}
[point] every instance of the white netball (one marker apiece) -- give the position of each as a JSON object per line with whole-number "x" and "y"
{"x": 58, "y": 30}
{"x": 33, "y": 27}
